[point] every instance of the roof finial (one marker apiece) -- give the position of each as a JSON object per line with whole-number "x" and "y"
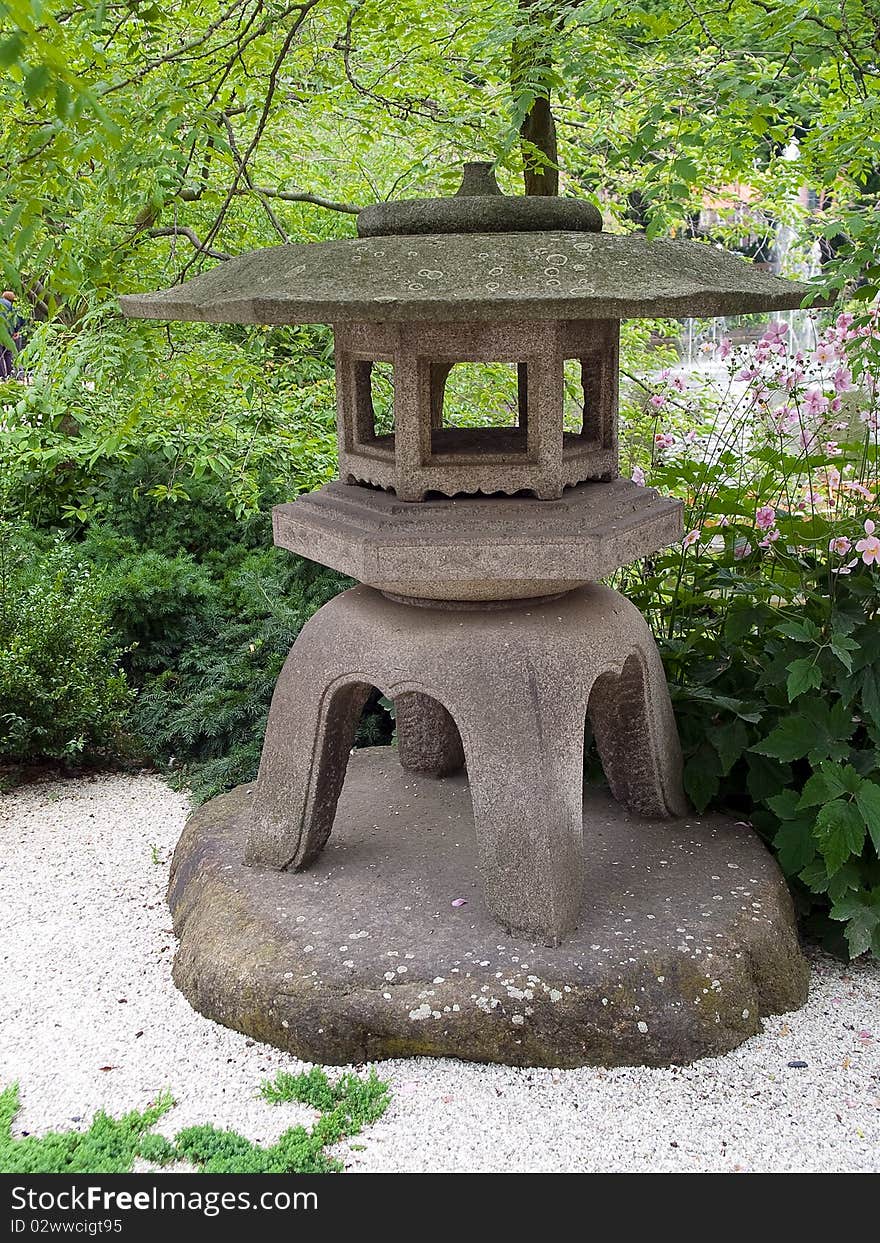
{"x": 478, "y": 180}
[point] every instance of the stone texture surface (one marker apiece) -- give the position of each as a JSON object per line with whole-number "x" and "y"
{"x": 472, "y": 276}
{"x": 428, "y": 740}
{"x": 424, "y": 455}
{"x": 502, "y": 214}
{"x": 478, "y": 548}
{"x": 518, "y": 683}
{"x": 685, "y": 936}
{"x": 478, "y": 206}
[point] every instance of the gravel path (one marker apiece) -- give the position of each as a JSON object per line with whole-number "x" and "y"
{"x": 89, "y": 1019}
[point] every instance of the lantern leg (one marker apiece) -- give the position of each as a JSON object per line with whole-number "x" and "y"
{"x": 309, "y": 736}
{"x": 636, "y": 736}
{"x": 525, "y": 767}
{"x": 428, "y": 740}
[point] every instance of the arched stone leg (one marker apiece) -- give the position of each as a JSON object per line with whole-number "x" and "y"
{"x": 636, "y": 736}
{"x": 309, "y": 736}
{"x": 525, "y": 764}
{"x": 428, "y": 740}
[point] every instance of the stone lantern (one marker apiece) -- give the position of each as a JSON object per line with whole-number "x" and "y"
{"x": 498, "y": 916}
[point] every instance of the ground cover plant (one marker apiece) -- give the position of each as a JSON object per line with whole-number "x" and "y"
{"x": 111, "y": 1145}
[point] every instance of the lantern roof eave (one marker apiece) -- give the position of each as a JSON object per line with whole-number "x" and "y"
{"x": 490, "y": 277}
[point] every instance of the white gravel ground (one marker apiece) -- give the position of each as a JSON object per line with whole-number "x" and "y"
{"x": 89, "y": 1019}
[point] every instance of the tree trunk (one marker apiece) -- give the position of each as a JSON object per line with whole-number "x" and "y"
{"x": 530, "y": 62}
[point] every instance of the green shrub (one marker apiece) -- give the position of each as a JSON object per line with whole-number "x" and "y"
{"x": 61, "y": 690}
{"x": 206, "y": 636}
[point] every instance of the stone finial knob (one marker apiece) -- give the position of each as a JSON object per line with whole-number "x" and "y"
{"x": 478, "y": 180}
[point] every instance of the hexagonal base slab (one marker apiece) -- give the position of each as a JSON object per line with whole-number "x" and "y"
{"x": 478, "y": 548}
{"x": 686, "y": 938}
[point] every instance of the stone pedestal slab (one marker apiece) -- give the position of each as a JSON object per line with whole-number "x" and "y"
{"x": 478, "y": 547}
{"x": 685, "y": 935}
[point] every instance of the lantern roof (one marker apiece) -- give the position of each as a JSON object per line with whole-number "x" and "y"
{"x": 479, "y": 255}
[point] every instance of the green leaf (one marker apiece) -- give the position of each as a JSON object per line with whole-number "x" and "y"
{"x": 785, "y": 804}
{"x": 795, "y": 846}
{"x": 790, "y": 740}
{"x": 871, "y": 692}
{"x": 766, "y": 777}
{"x": 702, "y": 778}
{"x": 841, "y": 646}
{"x": 803, "y": 632}
{"x": 862, "y": 920}
{"x": 840, "y": 832}
{"x": 824, "y": 785}
{"x": 868, "y": 803}
{"x": 11, "y": 49}
{"x": 730, "y": 741}
{"x": 36, "y": 82}
{"x": 803, "y": 675}
{"x": 815, "y": 876}
{"x": 848, "y": 878}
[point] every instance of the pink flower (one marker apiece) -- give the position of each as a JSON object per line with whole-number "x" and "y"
{"x": 807, "y": 439}
{"x": 691, "y": 538}
{"x": 844, "y": 319}
{"x": 708, "y": 347}
{"x": 770, "y": 538}
{"x": 747, "y": 373}
{"x": 638, "y": 476}
{"x": 831, "y": 447}
{"x": 840, "y": 545}
{"x": 742, "y": 548}
{"x": 657, "y": 400}
{"x": 869, "y": 547}
{"x": 815, "y": 402}
{"x": 724, "y": 348}
{"x": 664, "y": 440}
{"x": 835, "y": 405}
{"x": 775, "y": 334}
{"x": 859, "y": 489}
{"x": 845, "y": 569}
{"x": 680, "y": 383}
{"x": 823, "y": 354}
{"x": 842, "y": 380}
{"x": 765, "y": 517}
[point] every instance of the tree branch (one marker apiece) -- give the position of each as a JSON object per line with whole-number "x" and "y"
{"x": 304, "y": 9}
{"x": 182, "y": 230}
{"x": 301, "y": 196}
{"x": 242, "y": 167}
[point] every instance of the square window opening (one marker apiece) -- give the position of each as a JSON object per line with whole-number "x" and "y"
{"x": 584, "y": 413}
{"x": 374, "y": 402}
{"x": 479, "y": 408}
